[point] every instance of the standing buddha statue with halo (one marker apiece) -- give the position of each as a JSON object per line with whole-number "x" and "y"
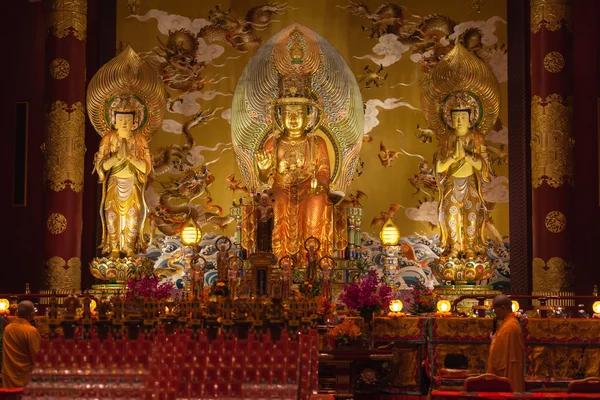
{"x": 126, "y": 104}
{"x": 297, "y": 128}
{"x": 460, "y": 102}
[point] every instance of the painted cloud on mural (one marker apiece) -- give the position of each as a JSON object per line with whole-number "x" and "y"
{"x": 187, "y": 104}
{"x": 388, "y": 51}
{"x": 172, "y": 22}
{"x": 427, "y": 211}
{"x": 172, "y": 126}
{"x": 500, "y": 136}
{"x": 496, "y": 191}
{"x": 226, "y": 115}
{"x": 487, "y": 29}
{"x": 372, "y": 110}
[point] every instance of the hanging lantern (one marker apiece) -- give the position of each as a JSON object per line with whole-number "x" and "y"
{"x": 4, "y": 306}
{"x": 595, "y": 307}
{"x": 390, "y": 234}
{"x": 515, "y": 306}
{"x": 191, "y": 233}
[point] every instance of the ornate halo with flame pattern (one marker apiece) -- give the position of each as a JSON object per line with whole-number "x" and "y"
{"x": 126, "y": 75}
{"x": 332, "y": 82}
{"x": 460, "y": 71}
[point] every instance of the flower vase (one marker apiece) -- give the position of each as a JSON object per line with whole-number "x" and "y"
{"x": 367, "y": 317}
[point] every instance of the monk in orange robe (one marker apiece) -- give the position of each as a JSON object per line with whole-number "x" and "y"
{"x": 21, "y": 342}
{"x": 508, "y": 348}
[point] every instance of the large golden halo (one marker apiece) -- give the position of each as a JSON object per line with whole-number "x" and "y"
{"x": 126, "y": 75}
{"x": 332, "y": 83}
{"x": 460, "y": 72}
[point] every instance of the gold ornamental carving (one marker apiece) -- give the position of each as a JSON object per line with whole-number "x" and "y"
{"x": 551, "y": 276}
{"x": 551, "y": 141}
{"x": 55, "y": 262}
{"x": 64, "y": 147}
{"x": 74, "y": 262}
{"x": 556, "y": 222}
{"x": 59, "y": 68}
{"x": 554, "y": 62}
{"x": 56, "y": 224}
{"x": 553, "y": 14}
{"x": 57, "y": 277}
{"x": 68, "y": 16}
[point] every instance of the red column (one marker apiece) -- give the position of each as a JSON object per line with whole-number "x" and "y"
{"x": 552, "y": 145}
{"x": 64, "y": 143}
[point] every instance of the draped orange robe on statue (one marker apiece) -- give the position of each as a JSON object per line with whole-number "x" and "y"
{"x": 20, "y": 343}
{"x": 507, "y": 353}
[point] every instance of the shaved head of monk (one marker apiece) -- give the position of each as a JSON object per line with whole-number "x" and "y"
{"x": 502, "y": 306}
{"x": 26, "y": 310}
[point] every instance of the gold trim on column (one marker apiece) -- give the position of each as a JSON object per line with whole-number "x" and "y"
{"x": 56, "y": 224}
{"x": 64, "y": 147}
{"x": 59, "y": 68}
{"x": 553, "y": 14}
{"x": 556, "y": 222}
{"x": 68, "y": 16}
{"x": 59, "y": 278}
{"x": 551, "y": 141}
{"x": 551, "y": 276}
{"x": 554, "y": 62}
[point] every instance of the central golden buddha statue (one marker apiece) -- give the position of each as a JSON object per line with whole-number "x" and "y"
{"x": 297, "y": 126}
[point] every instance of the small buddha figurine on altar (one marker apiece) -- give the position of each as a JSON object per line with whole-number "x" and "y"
{"x": 286, "y": 277}
{"x": 223, "y": 245}
{"x": 325, "y": 264}
{"x": 197, "y": 276}
{"x": 265, "y": 218}
{"x": 233, "y": 275}
{"x": 311, "y": 245}
{"x": 460, "y": 101}
{"x": 125, "y": 108}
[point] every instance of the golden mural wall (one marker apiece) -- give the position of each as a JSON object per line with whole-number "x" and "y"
{"x": 203, "y": 61}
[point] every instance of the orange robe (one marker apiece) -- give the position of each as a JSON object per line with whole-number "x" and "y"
{"x": 507, "y": 353}
{"x": 21, "y": 342}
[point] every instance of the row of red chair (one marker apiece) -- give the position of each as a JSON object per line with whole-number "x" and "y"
{"x": 177, "y": 366}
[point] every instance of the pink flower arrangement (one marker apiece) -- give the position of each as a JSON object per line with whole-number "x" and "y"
{"x": 371, "y": 294}
{"x": 148, "y": 286}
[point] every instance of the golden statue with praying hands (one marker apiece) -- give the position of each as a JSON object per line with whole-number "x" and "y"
{"x": 297, "y": 132}
{"x": 126, "y": 103}
{"x": 460, "y": 102}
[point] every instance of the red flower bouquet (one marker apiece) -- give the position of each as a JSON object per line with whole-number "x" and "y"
{"x": 369, "y": 295}
{"x": 424, "y": 300}
{"x": 324, "y": 306}
{"x": 309, "y": 288}
{"x": 148, "y": 286}
{"x": 219, "y": 288}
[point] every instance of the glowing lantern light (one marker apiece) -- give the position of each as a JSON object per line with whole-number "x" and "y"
{"x": 443, "y": 306}
{"x": 596, "y": 307}
{"x": 191, "y": 234}
{"x": 390, "y": 234}
{"x": 4, "y": 305}
{"x": 515, "y": 306}
{"x": 396, "y": 306}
